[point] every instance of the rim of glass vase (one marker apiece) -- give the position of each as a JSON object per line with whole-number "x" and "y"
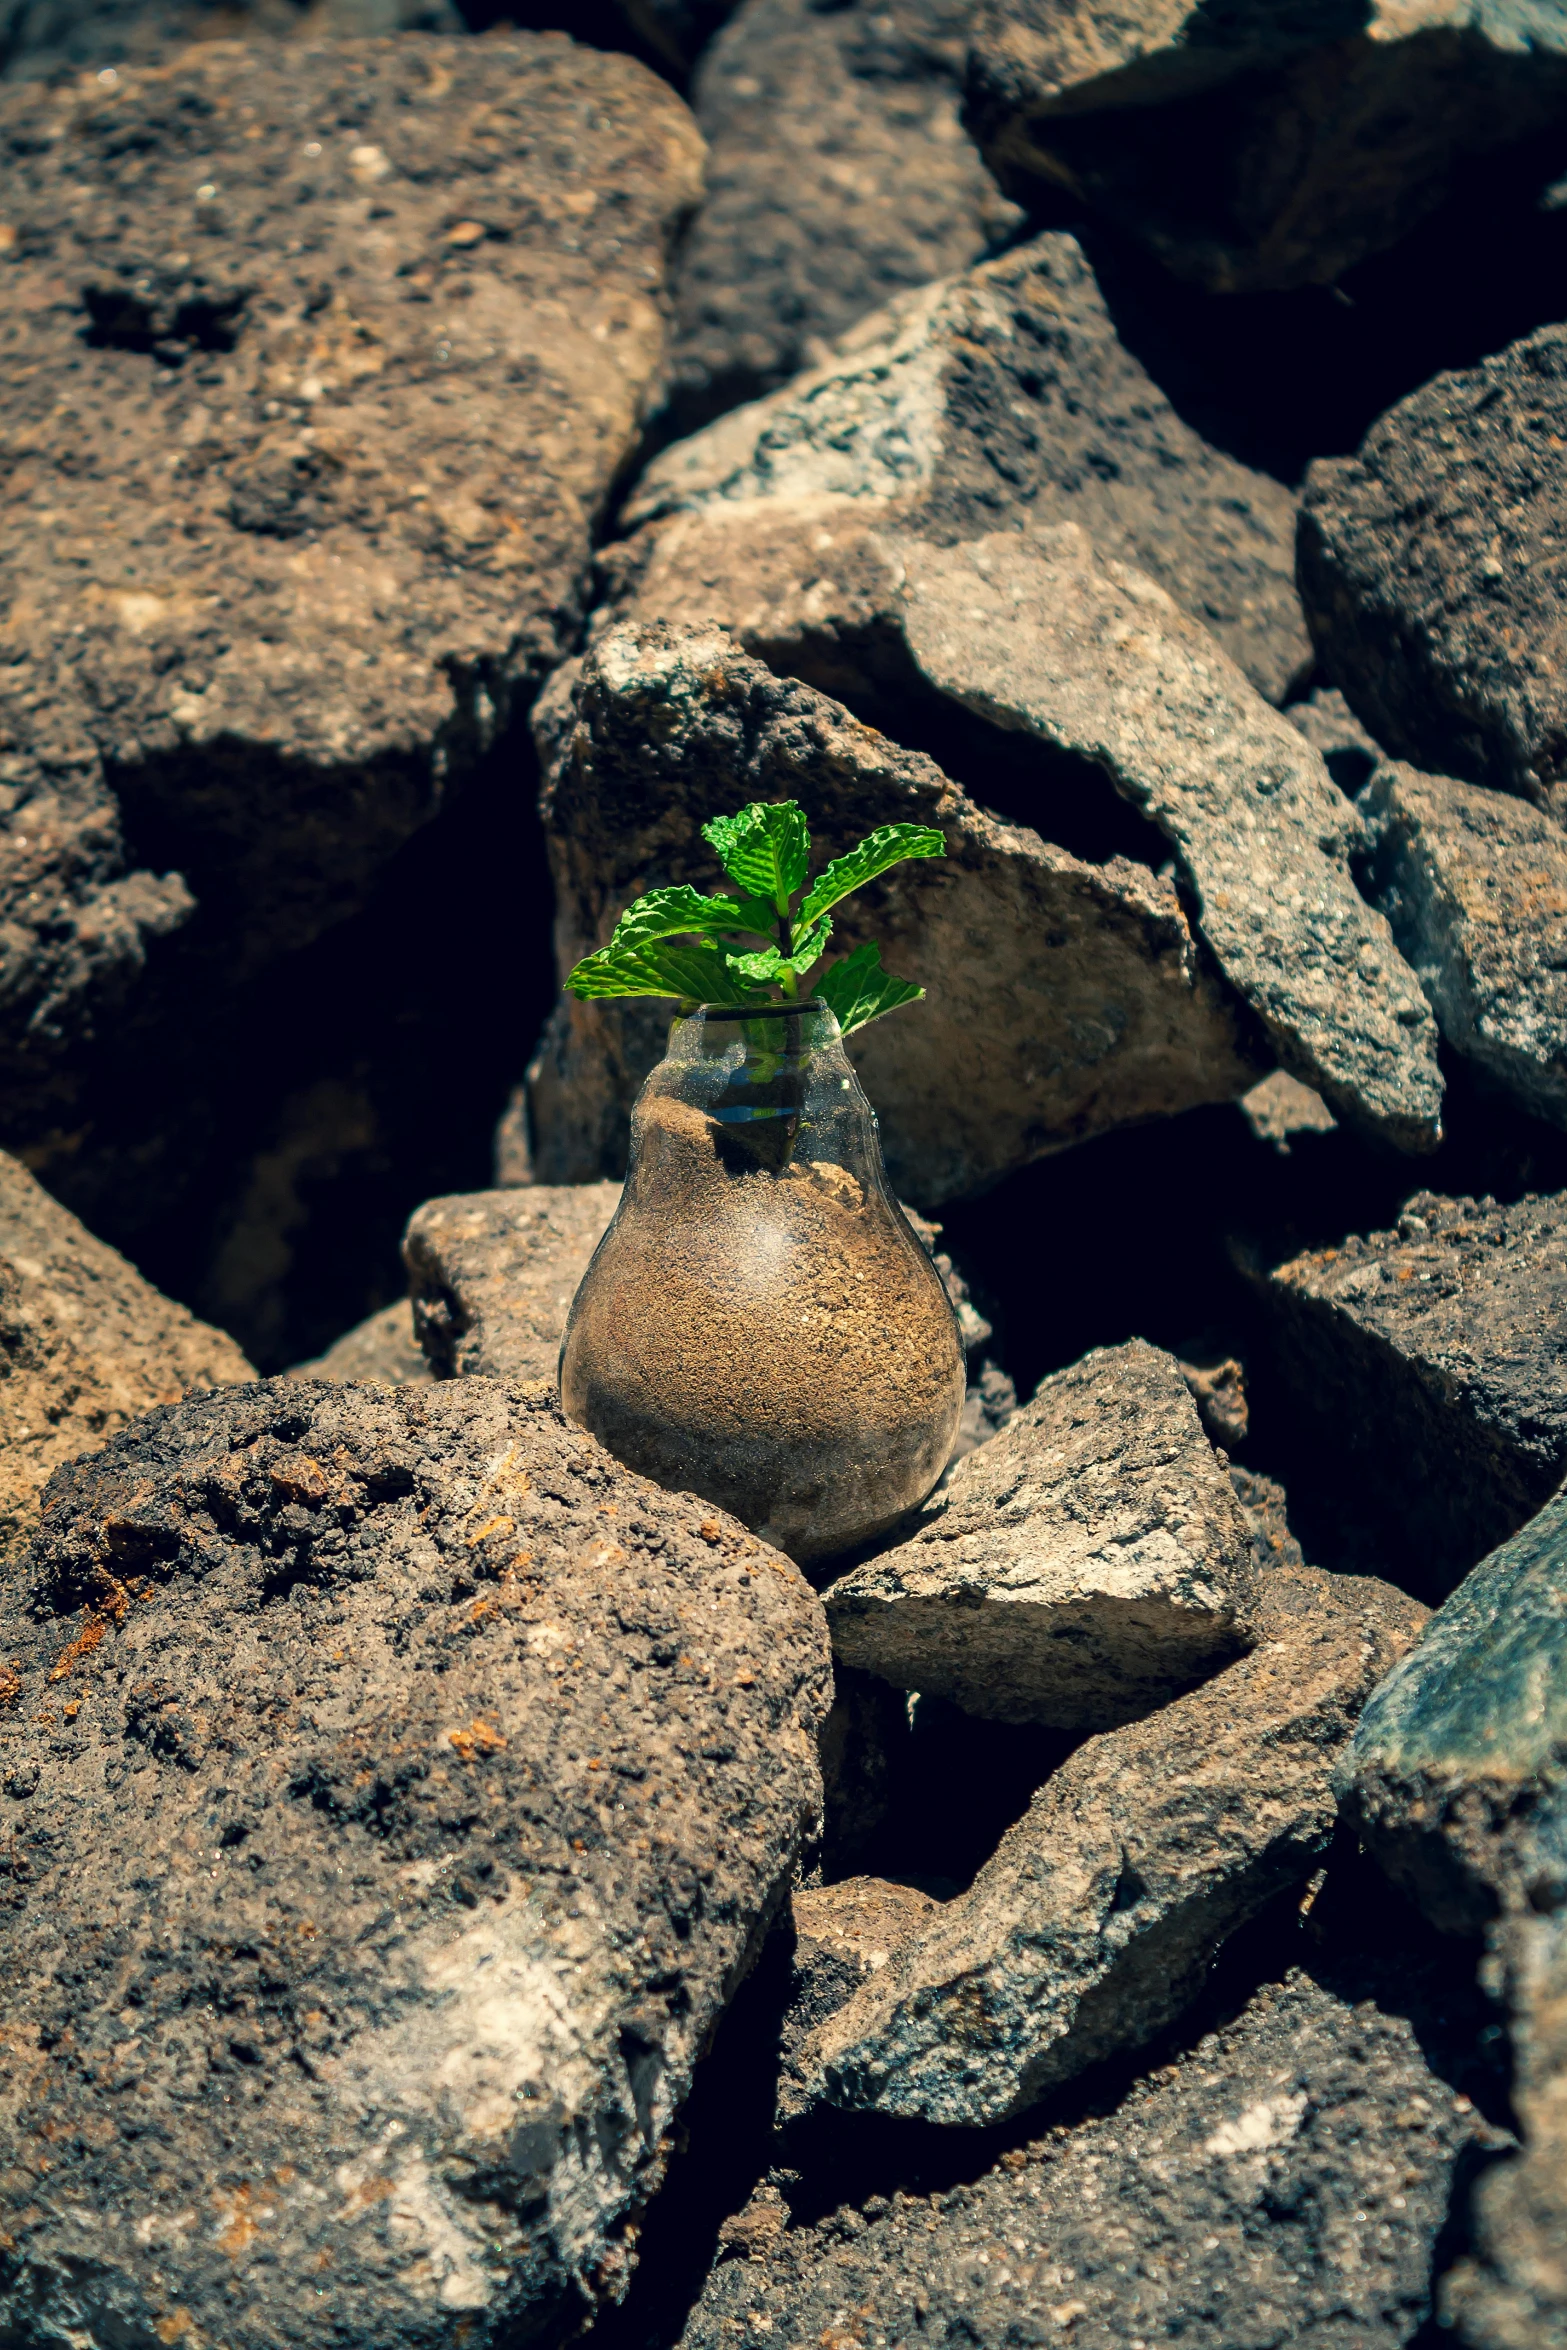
{"x": 756, "y": 1011}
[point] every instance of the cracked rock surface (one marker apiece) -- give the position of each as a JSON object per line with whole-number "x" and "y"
{"x": 1098, "y": 1916}
{"x": 1065, "y": 997}
{"x": 1432, "y": 564}
{"x": 317, "y": 364}
{"x": 397, "y": 1788}
{"x": 1431, "y": 1359}
{"x": 493, "y": 1273}
{"x": 1080, "y": 1569}
{"x": 994, "y": 400}
{"x": 85, "y": 1346}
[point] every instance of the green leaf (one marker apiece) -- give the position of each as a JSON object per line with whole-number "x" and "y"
{"x": 858, "y": 989}
{"x": 770, "y": 965}
{"x": 889, "y": 845}
{"x": 670, "y": 913}
{"x": 765, "y": 848}
{"x": 698, "y": 974}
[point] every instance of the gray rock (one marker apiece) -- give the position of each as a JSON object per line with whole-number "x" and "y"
{"x": 1259, "y": 146}
{"x": 998, "y": 399}
{"x": 1037, "y": 635}
{"x": 315, "y": 310}
{"x": 1284, "y": 2180}
{"x": 1427, "y": 1368}
{"x": 1064, "y": 997}
{"x": 1331, "y": 727}
{"x": 394, "y": 1877}
{"x": 838, "y": 174}
{"x": 492, "y": 1275}
{"x": 1101, "y": 1911}
{"x": 1279, "y": 1107}
{"x": 1217, "y": 1384}
{"x": 1431, "y": 564}
{"x": 1475, "y": 887}
{"x": 85, "y": 1345}
{"x": 382, "y": 1349}
{"x": 843, "y": 1934}
{"x": 1087, "y": 1564}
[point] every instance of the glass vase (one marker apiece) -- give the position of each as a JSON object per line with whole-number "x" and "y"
{"x": 759, "y": 1325}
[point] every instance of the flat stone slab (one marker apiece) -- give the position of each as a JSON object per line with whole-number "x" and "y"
{"x": 396, "y": 1790}
{"x": 1002, "y": 398}
{"x": 1283, "y": 2179}
{"x": 85, "y": 1345}
{"x": 493, "y": 1274}
{"x": 838, "y": 174}
{"x": 1095, "y": 1921}
{"x": 359, "y": 336}
{"x": 1081, "y": 1568}
{"x": 1429, "y": 1364}
{"x": 1173, "y": 122}
{"x": 1430, "y": 568}
{"x": 1474, "y": 884}
{"x": 1064, "y": 997}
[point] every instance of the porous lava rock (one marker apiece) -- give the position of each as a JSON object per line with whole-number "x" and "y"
{"x": 1095, "y": 1921}
{"x": 85, "y": 1345}
{"x": 996, "y": 399}
{"x": 1432, "y": 565}
{"x": 493, "y": 1273}
{"x": 1425, "y": 1368}
{"x": 1081, "y": 1568}
{"x": 397, "y": 1790}
{"x": 838, "y": 175}
{"x": 1259, "y": 146}
{"x": 317, "y": 364}
{"x": 382, "y": 1348}
{"x": 1474, "y": 885}
{"x": 1063, "y": 997}
{"x": 1284, "y": 2178}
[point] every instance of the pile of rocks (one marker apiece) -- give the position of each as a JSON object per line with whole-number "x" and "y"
{"x": 452, "y": 1889}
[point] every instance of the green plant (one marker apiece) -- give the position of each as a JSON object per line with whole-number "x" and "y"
{"x": 669, "y": 941}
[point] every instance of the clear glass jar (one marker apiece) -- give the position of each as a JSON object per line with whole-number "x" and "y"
{"x": 759, "y": 1324}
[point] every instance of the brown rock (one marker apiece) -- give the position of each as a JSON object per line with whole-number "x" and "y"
{"x": 838, "y": 174}
{"x": 85, "y": 1345}
{"x": 493, "y": 1274}
{"x": 1086, "y": 1564}
{"x": 1099, "y": 1914}
{"x": 382, "y": 1350}
{"x": 1427, "y": 1367}
{"x": 1262, "y": 146}
{"x": 843, "y": 1933}
{"x": 379, "y": 1822}
{"x": 317, "y": 366}
{"x": 1064, "y": 997}
{"x": 1001, "y": 399}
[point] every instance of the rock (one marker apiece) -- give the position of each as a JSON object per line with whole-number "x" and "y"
{"x": 991, "y": 1398}
{"x": 85, "y": 1345}
{"x": 358, "y": 337}
{"x": 1217, "y": 1384}
{"x": 1082, "y": 1568}
{"x": 1455, "y": 1777}
{"x": 1431, "y": 572}
{"x": 1064, "y": 997}
{"x": 53, "y": 37}
{"x": 382, "y": 1349}
{"x": 1280, "y": 1107}
{"x": 1331, "y": 727}
{"x": 838, "y": 174}
{"x": 865, "y": 1750}
{"x": 493, "y": 1274}
{"x": 1266, "y": 1505}
{"x": 843, "y": 1933}
{"x": 675, "y": 31}
{"x": 1260, "y": 147}
{"x": 1474, "y": 885}
{"x": 1096, "y": 1920}
{"x": 999, "y": 399}
{"x": 1427, "y": 1368}
{"x": 1286, "y": 2179}
{"x": 374, "y": 1830}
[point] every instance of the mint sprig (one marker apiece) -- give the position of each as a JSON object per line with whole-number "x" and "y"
{"x": 669, "y": 942}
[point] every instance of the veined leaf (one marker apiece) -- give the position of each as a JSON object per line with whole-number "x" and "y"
{"x": 698, "y": 974}
{"x": 890, "y": 844}
{"x": 670, "y": 913}
{"x": 765, "y": 848}
{"x": 770, "y": 965}
{"x": 858, "y": 989}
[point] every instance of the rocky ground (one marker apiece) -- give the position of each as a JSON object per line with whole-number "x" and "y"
{"x": 454, "y": 1891}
